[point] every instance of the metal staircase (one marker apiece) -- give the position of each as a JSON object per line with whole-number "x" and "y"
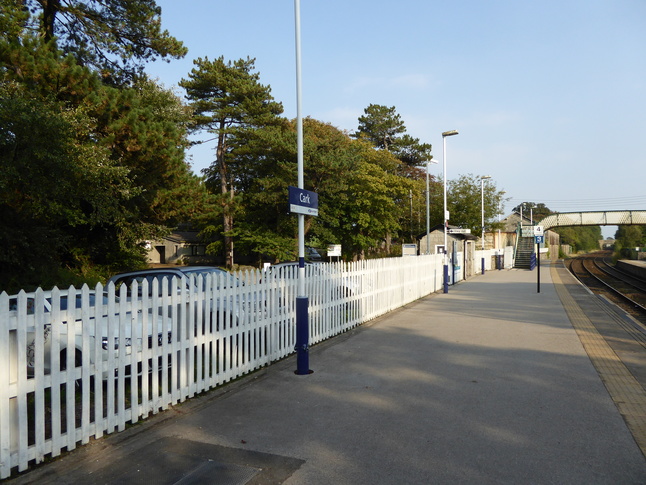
{"x": 524, "y": 252}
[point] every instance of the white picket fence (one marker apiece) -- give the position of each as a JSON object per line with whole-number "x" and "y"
{"x": 178, "y": 342}
{"x": 489, "y": 256}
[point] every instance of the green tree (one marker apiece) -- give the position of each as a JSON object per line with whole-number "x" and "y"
{"x": 383, "y": 127}
{"x": 263, "y": 160}
{"x": 380, "y": 125}
{"x": 465, "y": 201}
{"x": 411, "y": 206}
{"x": 356, "y": 185}
{"x": 581, "y": 238}
{"x": 45, "y": 224}
{"x": 371, "y": 215}
{"x": 537, "y": 211}
{"x": 128, "y": 145}
{"x": 113, "y": 37}
{"x": 627, "y": 238}
{"x": 228, "y": 99}
{"x": 144, "y": 127}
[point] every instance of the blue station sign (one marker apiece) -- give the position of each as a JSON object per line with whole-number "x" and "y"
{"x": 303, "y": 201}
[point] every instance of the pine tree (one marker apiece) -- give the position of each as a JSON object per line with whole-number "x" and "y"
{"x": 112, "y": 37}
{"x": 384, "y": 128}
{"x": 227, "y": 99}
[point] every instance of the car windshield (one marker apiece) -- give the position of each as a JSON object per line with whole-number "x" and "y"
{"x": 79, "y": 299}
{"x": 149, "y": 277}
{"x": 64, "y": 302}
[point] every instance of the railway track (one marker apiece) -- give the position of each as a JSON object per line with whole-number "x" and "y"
{"x": 596, "y": 271}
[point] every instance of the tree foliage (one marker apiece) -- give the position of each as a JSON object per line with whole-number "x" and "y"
{"x": 582, "y": 238}
{"x": 357, "y": 187}
{"x": 228, "y": 99}
{"x": 89, "y": 171}
{"x": 44, "y": 223}
{"x": 627, "y": 239}
{"x": 383, "y": 127}
{"x": 537, "y": 211}
{"x": 465, "y": 201}
{"x": 113, "y": 37}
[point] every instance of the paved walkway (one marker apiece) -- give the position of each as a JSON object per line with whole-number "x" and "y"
{"x": 492, "y": 383}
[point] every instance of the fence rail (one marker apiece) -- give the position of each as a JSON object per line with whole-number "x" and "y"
{"x": 76, "y": 364}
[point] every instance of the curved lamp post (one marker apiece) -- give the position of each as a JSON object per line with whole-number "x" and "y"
{"x": 446, "y": 213}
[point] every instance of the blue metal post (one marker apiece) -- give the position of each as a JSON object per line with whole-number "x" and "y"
{"x": 302, "y": 337}
{"x": 538, "y": 264}
{"x": 446, "y": 278}
{"x": 483, "y": 265}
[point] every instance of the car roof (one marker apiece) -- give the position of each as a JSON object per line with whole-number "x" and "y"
{"x": 201, "y": 269}
{"x": 177, "y": 270}
{"x": 290, "y": 263}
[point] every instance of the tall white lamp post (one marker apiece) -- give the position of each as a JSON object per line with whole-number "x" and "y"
{"x": 499, "y": 246}
{"x": 428, "y": 209}
{"x": 482, "y": 238}
{"x": 446, "y": 213}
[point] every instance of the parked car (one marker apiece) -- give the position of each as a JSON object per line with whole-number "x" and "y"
{"x": 311, "y": 254}
{"x": 68, "y": 312}
{"x": 338, "y": 285}
{"x": 224, "y": 310}
{"x": 181, "y": 272}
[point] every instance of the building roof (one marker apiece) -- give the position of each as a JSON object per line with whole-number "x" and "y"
{"x": 440, "y": 228}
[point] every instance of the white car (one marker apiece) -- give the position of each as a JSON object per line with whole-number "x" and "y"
{"x": 66, "y": 313}
{"x": 339, "y": 286}
{"x": 181, "y": 272}
{"x": 226, "y": 310}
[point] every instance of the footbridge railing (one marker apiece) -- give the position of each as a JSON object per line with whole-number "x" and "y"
{"x": 603, "y": 218}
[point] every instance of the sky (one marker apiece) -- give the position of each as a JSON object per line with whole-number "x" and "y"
{"x": 549, "y": 97}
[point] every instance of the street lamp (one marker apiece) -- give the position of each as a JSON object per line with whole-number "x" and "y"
{"x": 499, "y": 245}
{"x": 446, "y": 213}
{"x": 482, "y": 179}
{"x": 428, "y": 209}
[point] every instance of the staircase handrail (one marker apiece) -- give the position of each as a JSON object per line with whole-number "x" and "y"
{"x": 519, "y": 232}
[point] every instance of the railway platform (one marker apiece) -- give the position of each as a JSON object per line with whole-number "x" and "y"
{"x": 636, "y": 268}
{"x": 491, "y": 383}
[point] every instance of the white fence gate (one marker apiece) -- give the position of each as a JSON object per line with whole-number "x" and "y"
{"x": 78, "y": 364}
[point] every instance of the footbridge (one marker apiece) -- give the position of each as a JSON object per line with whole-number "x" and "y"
{"x": 604, "y": 218}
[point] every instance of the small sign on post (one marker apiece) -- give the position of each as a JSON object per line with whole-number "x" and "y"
{"x": 539, "y": 237}
{"x": 334, "y": 250}
{"x": 409, "y": 249}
